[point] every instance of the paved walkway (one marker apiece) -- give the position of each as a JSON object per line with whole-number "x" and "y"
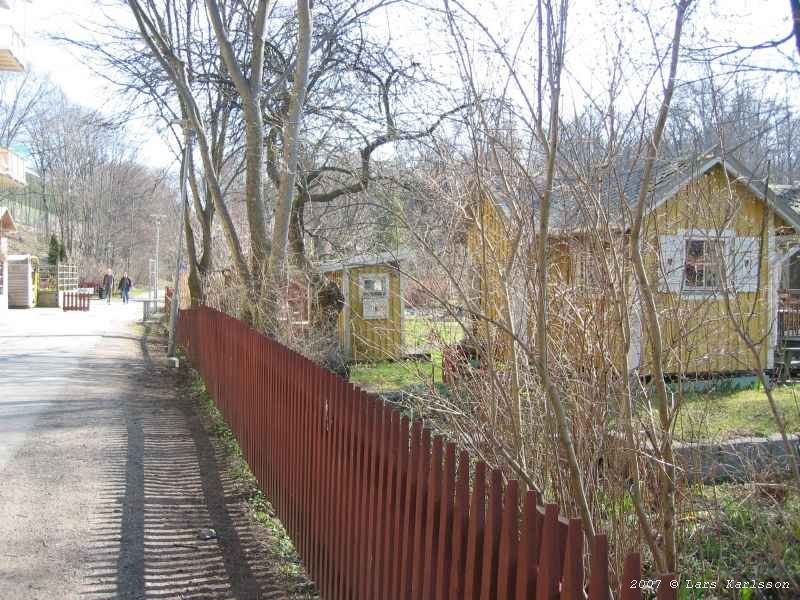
{"x": 106, "y": 473}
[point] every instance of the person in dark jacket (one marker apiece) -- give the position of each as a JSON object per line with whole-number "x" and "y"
{"x": 108, "y": 284}
{"x": 125, "y": 286}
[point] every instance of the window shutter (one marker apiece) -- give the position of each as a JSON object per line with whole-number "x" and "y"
{"x": 673, "y": 249}
{"x": 744, "y": 264}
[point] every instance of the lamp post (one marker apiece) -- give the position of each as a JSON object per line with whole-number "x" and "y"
{"x": 154, "y": 291}
{"x": 176, "y": 294}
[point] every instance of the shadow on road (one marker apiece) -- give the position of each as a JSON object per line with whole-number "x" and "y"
{"x": 163, "y": 486}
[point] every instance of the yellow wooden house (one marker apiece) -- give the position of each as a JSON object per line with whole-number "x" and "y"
{"x": 716, "y": 241}
{"x": 371, "y": 321}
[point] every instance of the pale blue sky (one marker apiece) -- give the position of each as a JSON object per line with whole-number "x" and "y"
{"x": 592, "y": 23}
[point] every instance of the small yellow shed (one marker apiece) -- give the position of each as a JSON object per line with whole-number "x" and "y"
{"x": 371, "y": 322}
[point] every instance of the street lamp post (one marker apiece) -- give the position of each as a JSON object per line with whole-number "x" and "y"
{"x": 154, "y": 291}
{"x": 176, "y": 294}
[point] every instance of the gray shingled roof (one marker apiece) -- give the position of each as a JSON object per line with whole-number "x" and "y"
{"x": 790, "y": 194}
{"x": 365, "y": 260}
{"x": 617, "y": 190}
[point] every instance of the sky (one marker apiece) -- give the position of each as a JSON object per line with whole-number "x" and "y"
{"x": 748, "y": 21}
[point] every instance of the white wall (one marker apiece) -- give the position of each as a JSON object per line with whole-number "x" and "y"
{"x": 4, "y": 294}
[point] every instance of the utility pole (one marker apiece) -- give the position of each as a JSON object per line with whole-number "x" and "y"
{"x": 157, "y": 218}
{"x": 188, "y": 133}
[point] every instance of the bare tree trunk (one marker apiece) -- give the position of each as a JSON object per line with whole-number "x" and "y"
{"x": 666, "y": 469}
{"x": 556, "y": 47}
{"x": 291, "y": 145}
{"x": 175, "y": 70}
{"x": 250, "y": 92}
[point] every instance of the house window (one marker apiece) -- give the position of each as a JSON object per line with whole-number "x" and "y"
{"x": 374, "y": 296}
{"x": 793, "y": 282}
{"x": 373, "y": 287}
{"x": 704, "y": 264}
{"x": 587, "y": 276}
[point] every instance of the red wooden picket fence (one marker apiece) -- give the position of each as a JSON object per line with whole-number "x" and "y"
{"x": 378, "y": 507}
{"x": 75, "y": 301}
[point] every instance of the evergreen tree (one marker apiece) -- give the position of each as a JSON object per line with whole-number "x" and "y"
{"x": 54, "y": 251}
{"x": 62, "y": 252}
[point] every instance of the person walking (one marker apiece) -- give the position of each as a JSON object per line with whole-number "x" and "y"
{"x": 125, "y": 286}
{"x": 108, "y": 284}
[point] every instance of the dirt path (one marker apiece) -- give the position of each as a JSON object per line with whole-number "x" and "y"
{"x": 107, "y": 474}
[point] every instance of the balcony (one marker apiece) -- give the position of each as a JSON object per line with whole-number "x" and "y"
{"x": 12, "y": 168}
{"x": 12, "y": 49}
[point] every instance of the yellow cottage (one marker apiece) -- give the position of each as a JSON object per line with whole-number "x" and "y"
{"x": 371, "y": 321}
{"x": 717, "y": 242}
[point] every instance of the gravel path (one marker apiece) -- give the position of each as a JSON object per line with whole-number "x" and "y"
{"x": 107, "y": 475}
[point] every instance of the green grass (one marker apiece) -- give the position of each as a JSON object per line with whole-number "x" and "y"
{"x": 420, "y": 334}
{"x": 742, "y": 413}
{"x": 740, "y": 532}
{"x": 423, "y": 332}
{"x": 282, "y": 547}
{"x": 396, "y": 375}
{"x": 143, "y": 291}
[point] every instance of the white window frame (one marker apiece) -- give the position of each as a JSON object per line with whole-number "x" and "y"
{"x": 368, "y": 296}
{"x": 382, "y": 277}
{"x": 586, "y": 276}
{"x": 724, "y": 242}
{"x": 669, "y": 270}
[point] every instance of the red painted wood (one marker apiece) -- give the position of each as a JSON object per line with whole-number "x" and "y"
{"x": 460, "y": 529}
{"x": 404, "y": 460}
{"x": 599, "y": 585}
{"x": 433, "y": 513}
{"x": 572, "y": 577}
{"x": 383, "y": 574}
{"x": 549, "y": 571}
{"x": 491, "y": 537}
{"x": 444, "y": 552}
{"x": 629, "y": 588}
{"x": 528, "y": 560}
{"x": 420, "y": 515}
{"x": 507, "y": 557}
{"x": 377, "y": 511}
{"x": 668, "y": 588}
{"x": 379, "y": 534}
{"x": 477, "y": 520}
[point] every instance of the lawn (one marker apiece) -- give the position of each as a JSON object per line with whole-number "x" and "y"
{"x": 396, "y": 375}
{"x": 425, "y": 332}
{"x": 741, "y": 413}
{"x": 421, "y": 334}
{"x": 741, "y": 532}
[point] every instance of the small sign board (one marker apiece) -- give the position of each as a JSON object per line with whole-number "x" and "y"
{"x": 375, "y": 308}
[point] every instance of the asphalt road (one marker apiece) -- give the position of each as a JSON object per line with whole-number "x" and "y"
{"x": 43, "y": 359}
{"x": 57, "y": 372}
{"x": 106, "y": 472}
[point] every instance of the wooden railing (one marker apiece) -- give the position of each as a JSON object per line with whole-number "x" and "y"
{"x": 76, "y": 301}
{"x": 377, "y": 505}
{"x": 788, "y": 323}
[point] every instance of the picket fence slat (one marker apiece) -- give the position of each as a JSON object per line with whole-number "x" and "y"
{"x": 376, "y": 504}
{"x": 75, "y": 301}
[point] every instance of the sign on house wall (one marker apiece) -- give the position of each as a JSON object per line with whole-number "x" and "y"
{"x": 374, "y": 289}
